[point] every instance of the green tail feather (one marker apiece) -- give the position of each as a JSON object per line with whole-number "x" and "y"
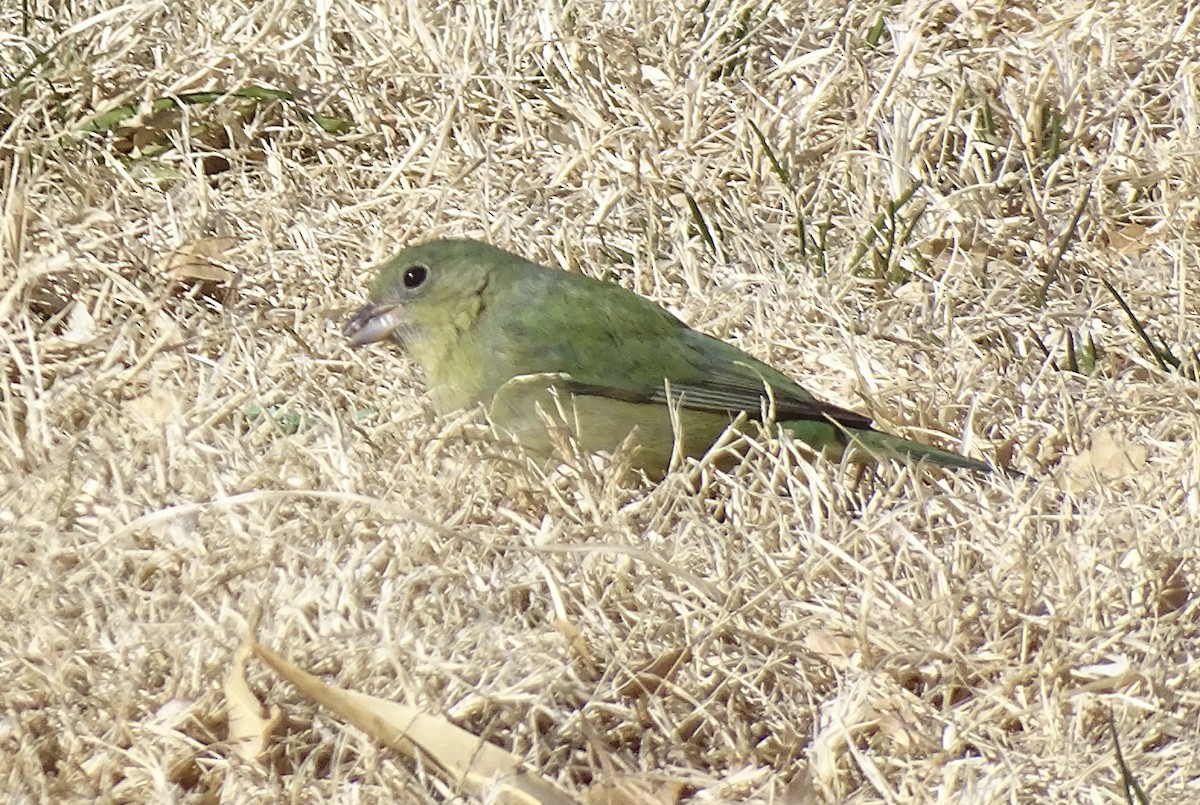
{"x": 888, "y": 445}
{"x": 828, "y": 437}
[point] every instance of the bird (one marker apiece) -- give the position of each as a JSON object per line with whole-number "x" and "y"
{"x": 546, "y": 350}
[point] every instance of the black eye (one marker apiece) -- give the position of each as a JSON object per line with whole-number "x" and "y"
{"x": 414, "y": 276}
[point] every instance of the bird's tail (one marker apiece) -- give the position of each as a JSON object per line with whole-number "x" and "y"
{"x": 881, "y": 444}
{"x": 834, "y": 440}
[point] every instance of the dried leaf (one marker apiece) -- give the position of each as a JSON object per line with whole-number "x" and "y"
{"x": 469, "y": 763}
{"x": 1129, "y": 239}
{"x": 648, "y": 679}
{"x": 249, "y": 729}
{"x": 837, "y": 650}
{"x": 1105, "y": 461}
{"x": 202, "y": 262}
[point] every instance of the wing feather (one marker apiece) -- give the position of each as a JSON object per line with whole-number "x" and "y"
{"x": 618, "y": 345}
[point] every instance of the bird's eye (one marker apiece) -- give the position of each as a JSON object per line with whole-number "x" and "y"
{"x": 414, "y": 276}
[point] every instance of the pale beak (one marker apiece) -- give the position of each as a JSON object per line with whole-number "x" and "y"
{"x": 373, "y": 323}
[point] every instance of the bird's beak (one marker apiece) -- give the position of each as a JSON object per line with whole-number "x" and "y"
{"x": 373, "y": 323}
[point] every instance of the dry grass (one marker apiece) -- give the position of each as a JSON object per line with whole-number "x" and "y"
{"x": 917, "y": 637}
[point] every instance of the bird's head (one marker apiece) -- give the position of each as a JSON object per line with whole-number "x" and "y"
{"x": 424, "y": 289}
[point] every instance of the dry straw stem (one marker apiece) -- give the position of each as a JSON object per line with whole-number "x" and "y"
{"x": 179, "y": 450}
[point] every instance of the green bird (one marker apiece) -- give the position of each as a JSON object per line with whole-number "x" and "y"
{"x": 544, "y": 349}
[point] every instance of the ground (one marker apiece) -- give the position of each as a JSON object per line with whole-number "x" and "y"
{"x": 959, "y": 218}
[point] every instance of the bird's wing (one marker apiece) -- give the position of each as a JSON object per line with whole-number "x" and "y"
{"x": 715, "y": 397}
{"x": 613, "y": 343}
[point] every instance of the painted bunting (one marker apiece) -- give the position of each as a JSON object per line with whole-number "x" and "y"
{"x": 543, "y": 348}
